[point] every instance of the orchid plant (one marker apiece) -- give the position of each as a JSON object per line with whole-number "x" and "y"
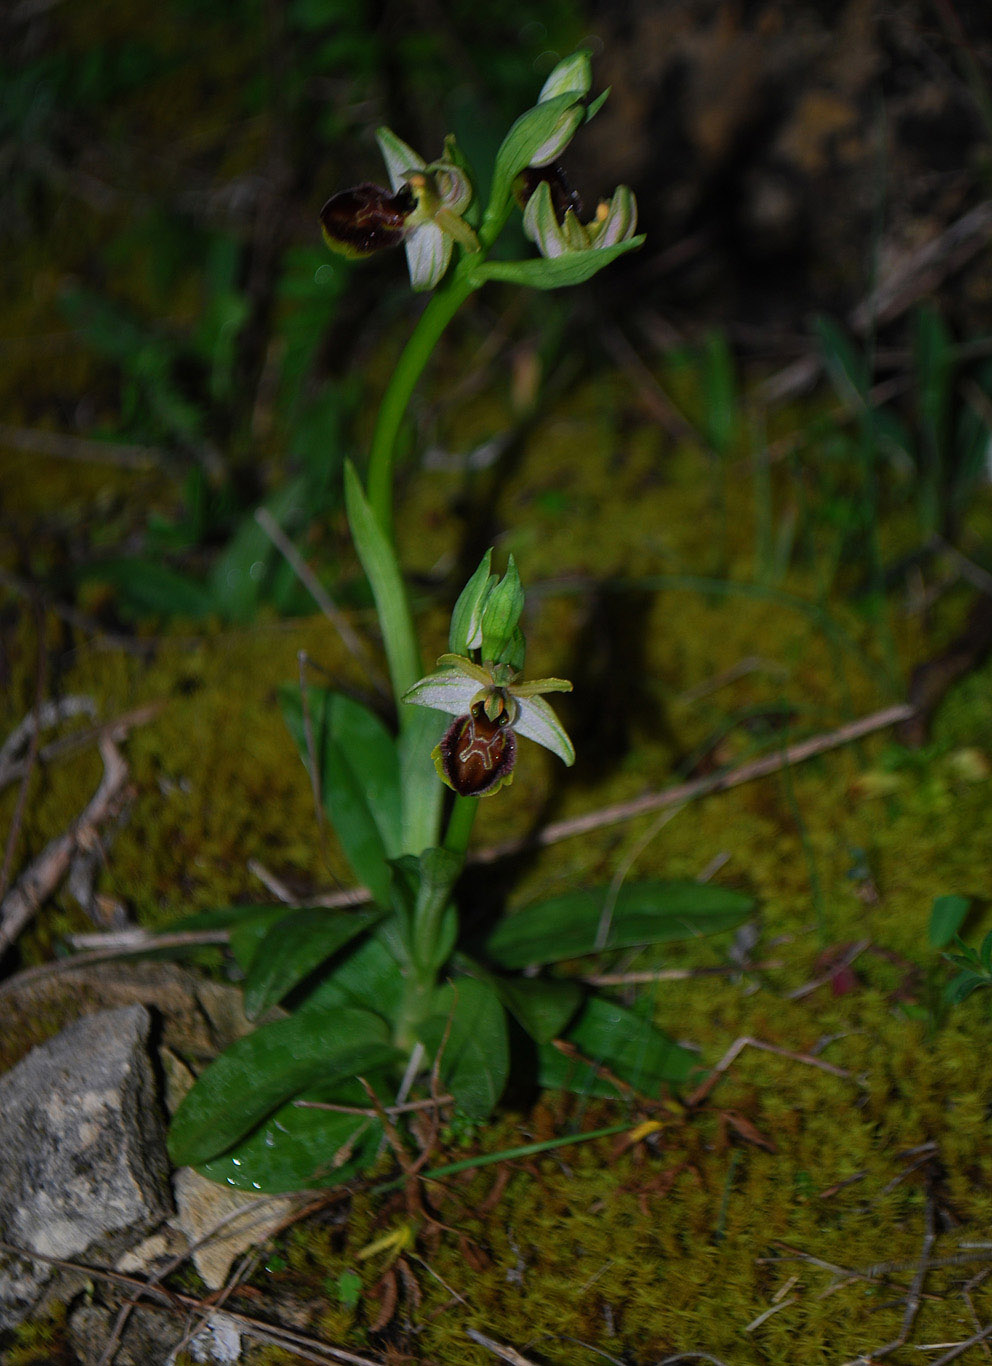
{"x": 362, "y": 1007}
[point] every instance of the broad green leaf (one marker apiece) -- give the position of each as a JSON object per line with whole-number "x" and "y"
{"x": 607, "y": 1036}
{"x": 476, "y": 1058}
{"x": 247, "y": 927}
{"x": 368, "y": 977}
{"x": 261, "y": 1071}
{"x": 947, "y": 916}
{"x": 297, "y": 946}
{"x": 643, "y": 913}
{"x": 572, "y": 268}
{"x": 298, "y": 1148}
{"x": 248, "y": 933}
{"x": 360, "y": 778}
{"x": 542, "y": 1008}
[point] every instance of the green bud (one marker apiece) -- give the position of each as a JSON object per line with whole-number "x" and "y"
{"x": 465, "y": 632}
{"x": 501, "y": 615}
{"x": 572, "y": 75}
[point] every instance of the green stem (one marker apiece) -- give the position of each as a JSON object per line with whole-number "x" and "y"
{"x": 447, "y": 299}
{"x": 460, "y": 823}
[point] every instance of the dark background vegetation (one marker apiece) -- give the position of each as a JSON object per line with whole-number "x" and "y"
{"x": 161, "y": 170}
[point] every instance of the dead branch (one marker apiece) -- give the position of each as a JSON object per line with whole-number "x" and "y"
{"x": 39, "y": 880}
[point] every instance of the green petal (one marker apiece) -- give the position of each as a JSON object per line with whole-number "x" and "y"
{"x": 467, "y": 667}
{"x": 534, "y": 686}
{"x": 538, "y": 722}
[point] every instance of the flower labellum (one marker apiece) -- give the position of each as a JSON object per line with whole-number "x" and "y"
{"x": 475, "y": 756}
{"x": 358, "y": 222}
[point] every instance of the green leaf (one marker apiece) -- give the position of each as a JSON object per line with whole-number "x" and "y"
{"x": 368, "y": 977}
{"x": 606, "y": 1035}
{"x": 297, "y": 946}
{"x": 719, "y": 392}
{"x": 298, "y": 1148}
{"x": 572, "y": 268}
{"x": 359, "y": 772}
{"x": 422, "y": 790}
{"x": 247, "y": 926}
{"x": 542, "y": 1008}
{"x": 476, "y": 1057}
{"x": 261, "y": 1071}
{"x": 947, "y": 916}
{"x": 251, "y": 929}
{"x": 847, "y": 369}
{"x": 147, "y": 588}
{"x": 643, "y": 913}
{"x": 381, "y": 570}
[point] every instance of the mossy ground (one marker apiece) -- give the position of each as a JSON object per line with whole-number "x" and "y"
{"x": 718, "y": 645}
{"x": 683, "y": 1241}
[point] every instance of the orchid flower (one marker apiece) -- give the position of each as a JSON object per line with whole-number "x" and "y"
{"x": 476, "y": 754}
{"x": 423, "y": 211}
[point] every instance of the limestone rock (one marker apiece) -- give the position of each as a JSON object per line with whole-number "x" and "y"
{"x": 83, "y": 1167}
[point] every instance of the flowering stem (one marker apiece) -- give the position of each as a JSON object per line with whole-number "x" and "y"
{"x": 460, "y": 822}
{"x": 444, "y": 304}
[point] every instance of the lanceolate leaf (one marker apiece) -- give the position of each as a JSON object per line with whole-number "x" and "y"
{"x": 476, "y": 1058}
{"x": 643, "y": 913}
{"x": 359, "y": 774}
{"x": 295, "y": 947}
{"x": 607, "y": 1039}
{"x": 542, "y": 1008}
{"x": 368, "y": 976}
{"x": 261, "y": 1071}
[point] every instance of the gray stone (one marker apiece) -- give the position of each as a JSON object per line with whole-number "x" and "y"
{"x": 83, "y": 1167}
